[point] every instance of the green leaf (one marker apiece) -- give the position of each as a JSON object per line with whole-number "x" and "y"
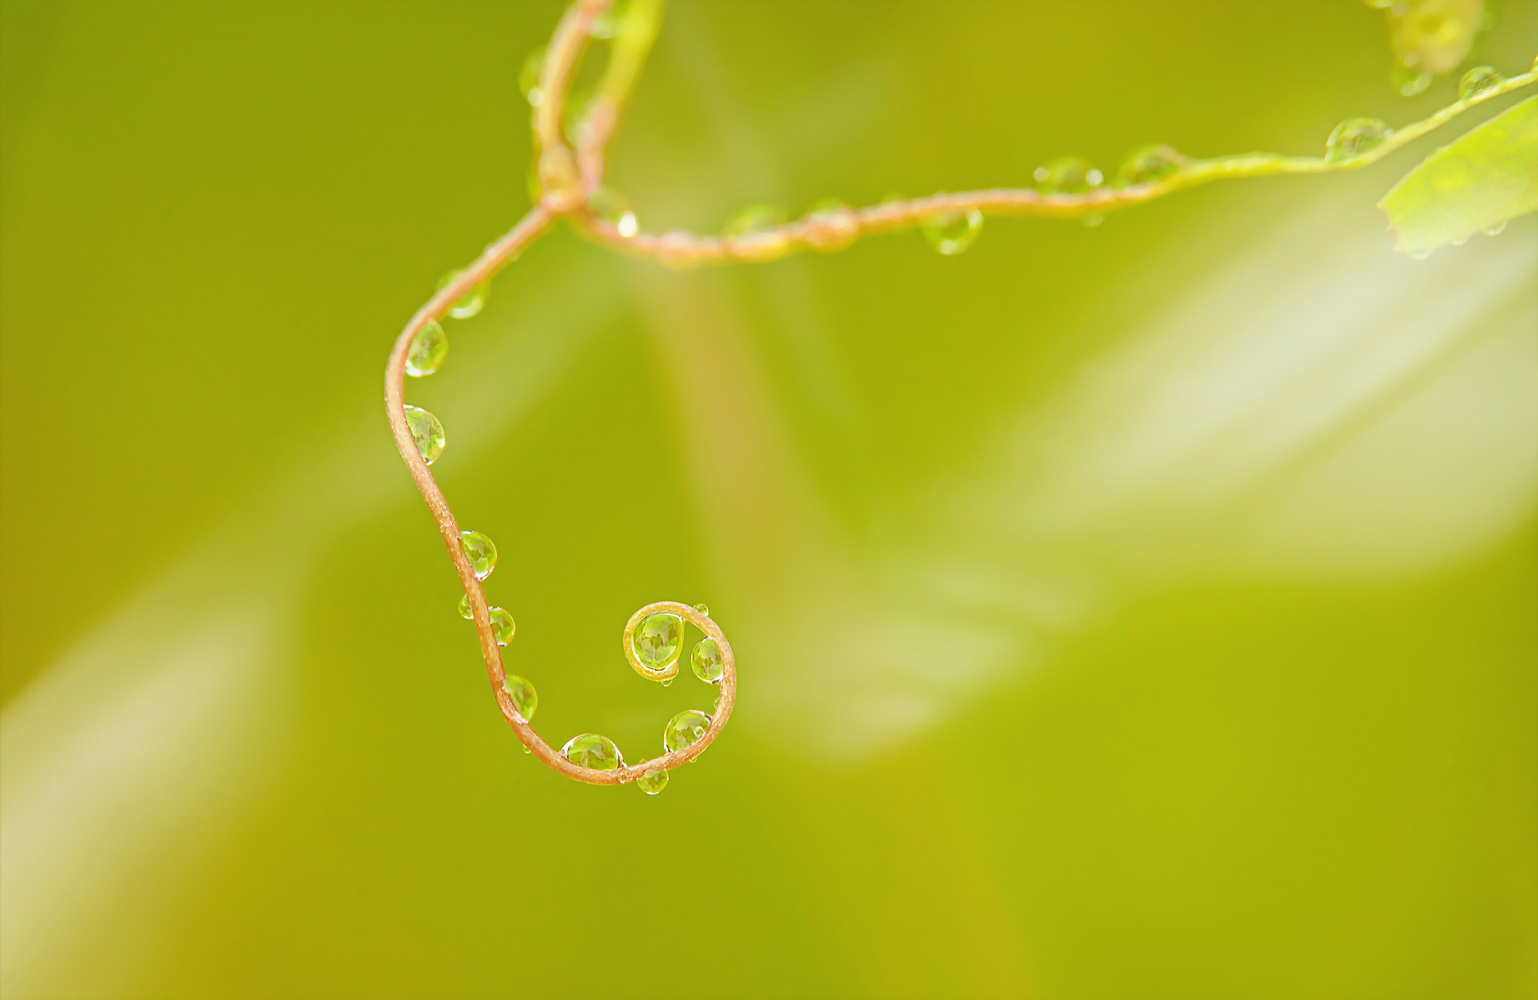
{"x": 1486, "y": 177}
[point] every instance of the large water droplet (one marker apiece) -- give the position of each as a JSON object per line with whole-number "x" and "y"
{"x": 613, "y": 208}
{"x": 470, "y": 303}
{"x": 684, "y": 728}
{"x": 952, "y": 232}
{"x": 706, "y": 661}
{"x": 427, "y": 432}
{"x": 465, "y": 610}
{"x": 1149, "y": 165}
{"x": 594, "y": 751}
{"x": 427, "y": 351}
{"x": 525, "y": 699}
{"x": 502, "y": 626}
{"x": 653, "y": 781}
{"x": 528, "y": 77}
{"x": 1496, "y": 229}
{"x": 702, "y": 609}
{"x": 1067, "y": 175}
{"x": 753, "y": 219}
{"x": 1353, "y": 137}
{"x": 1478, "y": 81}
{"x": 481, "y": 553}
{"x": 658, "y": 640}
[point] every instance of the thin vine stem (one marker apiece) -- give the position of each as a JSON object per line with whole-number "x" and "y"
{"x": 834, "y": 230}
{"x": 570, "y": 173}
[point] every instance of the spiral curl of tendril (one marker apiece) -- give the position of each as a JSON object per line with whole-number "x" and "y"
{"x": 571, "y": 173}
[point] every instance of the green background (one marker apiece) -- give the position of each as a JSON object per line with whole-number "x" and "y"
{"x": 1140, "y": 610}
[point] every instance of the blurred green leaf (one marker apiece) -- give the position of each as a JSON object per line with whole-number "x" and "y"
{"x": 1477, "y": 184}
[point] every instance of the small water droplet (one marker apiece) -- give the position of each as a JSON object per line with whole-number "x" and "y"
{"x": 1149, "y": 165}
{"x": 752, "y": 219}
{"x": 612, "y": 207}
{"x": 1067, "y": 175}
{"x": 1496, "y": 229}
{"x": 593, "y": 751}
{"x": 470, "y": 303}
{"x": 528, "y": 77}
{"x": 427, "y": 432}
{"x": 427, "y": 351}
{"x": 706, "y": 661}
{"x": 685, "y": 728}
{"x": 1478, "y": 81}
{"x": 653, "y": 781}
{"x": 1091, "y": 221}
{"x": 1353, "y": 137}
{"x": 1408, "y": 80}
{"x": 525, "y": 698}
{"x": 667, "y": 682}
{"x": 952, "y": 232}
{"x": 658, "y": 640}
{"x": 830, "y": 225}
{"x": 502, "y": 626}
{"x": 465, "y": 610}
{"x": 481, "y": 553}
{"x": 703, "y": 609}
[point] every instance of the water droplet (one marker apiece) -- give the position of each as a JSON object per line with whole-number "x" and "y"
{"x": 667, "y": 682}
{"x": 753, "y": 219}
{"x": 594, "y": 751}
{"x": 1409, "y": 81}
{"x": 426, "y": 431}
{"x": 607, "y": 25}
{"x": 653, "y": 781}
{"x": 470, "y": 303}
{"x": 684, "y": 728}
{"x": 707, "y": 661}
{"x": 612, "y": 207}
{"x": 1149, "y": 165}
{"x": 702, "y": 609}
{"x": 1091, "y": 221}
{"x": 1067, "y": 175}
{"x": 528, "y": 77}
{"x": 1353, "y": 137}
{"x": 1496, "y": 229}
{"x": 658, "y": 640}
{"x": 952, "y": 232}
{"x": 465, "y": 611}
{"x": 830, "y": 225}
{"x": 427, "y": 351}
{"x": 525, "y": 698}
{"x": 1420, "y": 254}
{"x": 753, "y": 233}
{"x": 481, "y": 553}
{"x": 502, "y": 626}
{"x": 1478, "y": 81}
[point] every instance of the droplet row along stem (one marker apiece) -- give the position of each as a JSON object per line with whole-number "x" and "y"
{"x": 826, "y": 231}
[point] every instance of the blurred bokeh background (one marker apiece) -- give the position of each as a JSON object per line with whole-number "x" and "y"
{"x": 1139, "y": 610}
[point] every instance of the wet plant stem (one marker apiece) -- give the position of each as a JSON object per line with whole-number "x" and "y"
{"x": 571, "y": 171}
